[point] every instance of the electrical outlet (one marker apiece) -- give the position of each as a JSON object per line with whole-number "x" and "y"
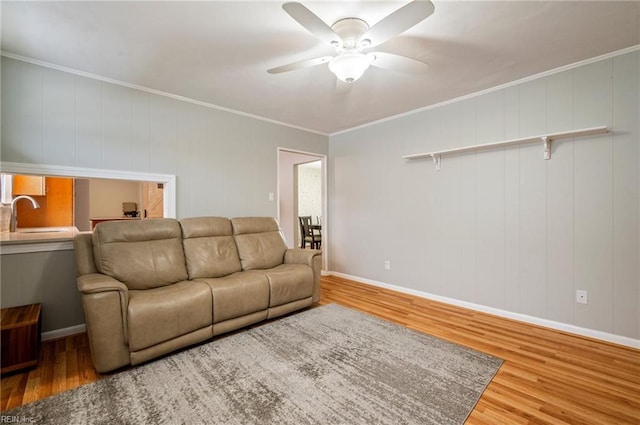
{"x": 581, "y": 296}
{"x": 387, "y": 265}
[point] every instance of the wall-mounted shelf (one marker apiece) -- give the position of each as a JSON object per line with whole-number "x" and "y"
{"x": 544, "y": 139}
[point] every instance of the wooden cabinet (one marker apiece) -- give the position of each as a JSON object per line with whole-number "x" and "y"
{"x": 56, "y": 208}
{"x": 29, "y": 185}
{"x": 20, "y": 335}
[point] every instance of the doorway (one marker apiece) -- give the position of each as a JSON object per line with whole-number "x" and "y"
{"x": 307, "y": 195}
{"x": 152, "y": 200}
{"x": 291, "y": 165}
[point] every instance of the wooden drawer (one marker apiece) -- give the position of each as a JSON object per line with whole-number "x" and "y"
{"x": 20, "y": 335}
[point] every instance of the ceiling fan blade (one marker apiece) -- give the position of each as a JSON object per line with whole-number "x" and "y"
{"x": 311, "y": 22}
{"x": 398, "y": 63}
{"x": 299, "y": 65}
{"x": 399, "y": 21}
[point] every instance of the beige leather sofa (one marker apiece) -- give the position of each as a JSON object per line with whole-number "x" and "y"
{"x": 150, "y": 287}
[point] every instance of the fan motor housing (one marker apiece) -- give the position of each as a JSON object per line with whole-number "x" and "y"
{"x": 350, "y": 31}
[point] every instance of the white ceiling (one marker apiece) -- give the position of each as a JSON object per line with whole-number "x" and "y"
{"x": 218, "y": 52}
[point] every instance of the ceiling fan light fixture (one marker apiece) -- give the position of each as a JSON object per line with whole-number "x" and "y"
{"x": 348, "y": 67}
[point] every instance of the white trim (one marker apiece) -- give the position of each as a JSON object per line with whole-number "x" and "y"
{"x": 496, "y": 88}
{"x": 153, "y": 91}
{"x": 590, "y": 333}
{"x": 26, "y": 247}
{"x": 61, "y": 333}
{"x": 168, "y": 180}
{"x": 325, "y": 190}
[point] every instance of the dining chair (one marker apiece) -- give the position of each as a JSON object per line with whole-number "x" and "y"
{"x": 307, "y": 233}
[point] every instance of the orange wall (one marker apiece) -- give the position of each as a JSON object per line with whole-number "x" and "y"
{"x": 56, "y": 207}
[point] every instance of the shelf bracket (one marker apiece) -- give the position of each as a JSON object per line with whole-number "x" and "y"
{"x": 436, "y": 161}
{"x": 547, "y": 146}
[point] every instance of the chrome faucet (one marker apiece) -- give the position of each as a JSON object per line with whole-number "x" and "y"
{"x": 14, "y": 219}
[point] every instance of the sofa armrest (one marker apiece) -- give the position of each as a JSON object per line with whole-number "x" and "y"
{"x": 105, "y": 301}
{"x": 301, "y": 256}
{"x": 311, "y": 258}
{"x": 96, "y": 282}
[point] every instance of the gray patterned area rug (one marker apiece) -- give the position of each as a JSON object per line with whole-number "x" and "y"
{"x": 327, "y": 365}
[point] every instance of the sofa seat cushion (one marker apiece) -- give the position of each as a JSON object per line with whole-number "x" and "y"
{"x": 238, "y": 294}
{"x": 160, "y": 314}
{"x": 288, "y": 282}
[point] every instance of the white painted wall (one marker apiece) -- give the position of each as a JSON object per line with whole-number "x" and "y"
{"x": 225, "y": 163}
{"x": 503, "y": 228}
{"x": 310, "y": 190}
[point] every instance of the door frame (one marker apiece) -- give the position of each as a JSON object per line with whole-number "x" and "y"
{"x": 313, "y": 156}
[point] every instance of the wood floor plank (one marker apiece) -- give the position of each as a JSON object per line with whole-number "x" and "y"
{"x": 548, "y": 376}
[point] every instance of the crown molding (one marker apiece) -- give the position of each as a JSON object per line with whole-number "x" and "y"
{"x": 153, "y": 91}
{"x": 257, "y": 117}
{"x": 496, "y": 88}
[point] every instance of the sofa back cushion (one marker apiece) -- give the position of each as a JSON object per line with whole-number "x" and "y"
{"x": 209, "y": 247}
{"x": 260, "y": 242}
{"x": 142, "y": 254}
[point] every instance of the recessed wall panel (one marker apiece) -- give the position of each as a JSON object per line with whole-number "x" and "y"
{"x": 533, "y": 202}
{"x": 593, "y": 197}
{"x": 117, "y": 144}
{"x": 490, "y": 174}
{"x": 626, "y": 255}
{"x": 31, "y": 121}
{"x": 88, "y": 125}
{"x": 59, "y": 97}
{"x": 11, "y": 116}
{"x": 560, "y": 212}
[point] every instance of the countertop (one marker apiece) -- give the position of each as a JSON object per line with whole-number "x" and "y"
{"x": 38, "y": 235}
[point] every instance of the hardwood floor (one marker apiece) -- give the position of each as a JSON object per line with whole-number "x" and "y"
{"x": 548, "y": 377}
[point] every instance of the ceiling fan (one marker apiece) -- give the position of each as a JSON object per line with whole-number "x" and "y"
{"x": 350, "y": 37}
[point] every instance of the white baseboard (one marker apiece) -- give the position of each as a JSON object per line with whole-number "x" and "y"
{"x": 60, "y": 333}
{"x": 591, "y": 333}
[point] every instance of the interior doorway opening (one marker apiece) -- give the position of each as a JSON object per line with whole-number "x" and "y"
{"x": 307, "y": 200}
{"x": 81, "y": 202}
{"x": 82, "y": 179}
{"x": 302, "y": 180}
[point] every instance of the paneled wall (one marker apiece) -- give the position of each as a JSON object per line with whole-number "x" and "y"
{"x": 503, "y": 228}
{"x": 225, "y": 163}
{"x": 47, "y": 277}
